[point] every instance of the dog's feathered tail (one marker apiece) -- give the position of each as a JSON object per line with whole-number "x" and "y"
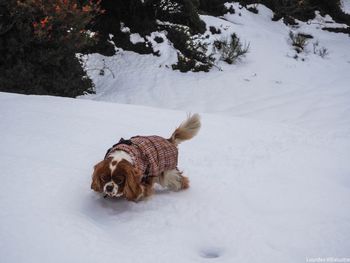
{"x": 187, "y": 130}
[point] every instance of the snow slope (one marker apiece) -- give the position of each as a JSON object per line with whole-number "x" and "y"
{"x": 260, "y": 191}
{"x": 269, "y": 84}
{"x": 345, "y": 4}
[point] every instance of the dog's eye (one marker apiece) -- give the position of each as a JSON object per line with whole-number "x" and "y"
{"x": 105, "y": 177}
{"x": 118, "y": 179}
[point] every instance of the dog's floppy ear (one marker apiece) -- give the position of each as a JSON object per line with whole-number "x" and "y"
{"x": 96, "y": 184}
{"x": 133, "y": 189}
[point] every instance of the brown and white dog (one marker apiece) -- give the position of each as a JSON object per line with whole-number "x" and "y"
{"x": 132, "y": 167}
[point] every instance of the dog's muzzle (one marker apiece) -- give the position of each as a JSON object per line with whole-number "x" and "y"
{"x": 111, "y": 189}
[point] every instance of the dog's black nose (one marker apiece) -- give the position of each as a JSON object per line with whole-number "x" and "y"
{"x": 109, "y": 188}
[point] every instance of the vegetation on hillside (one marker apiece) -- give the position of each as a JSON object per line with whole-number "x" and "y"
{"x": 39, "y": 40}
{"x": 38, "y": 45}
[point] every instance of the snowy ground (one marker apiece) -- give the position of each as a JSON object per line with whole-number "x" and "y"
{"x": 346, "y": 6}
{"x": 261, "y": 192}
{"x": 269, "y": 171}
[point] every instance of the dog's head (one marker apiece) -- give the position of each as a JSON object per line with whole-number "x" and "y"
{"x": 116, "y": 179}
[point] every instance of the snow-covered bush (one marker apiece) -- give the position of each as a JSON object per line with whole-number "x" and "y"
{"x": 193, "y": 52}
{"x": 320, "y": 51}
{"x": 213, "y": 7}
{"x": 183, "y": 12}
{"x": 214, "y": 30}
{"x": 231, "y": 49}
{"x": 179, "y": 18}
{"x": 142, "y": 17}
{"x": 298, "y": 41}
{"x": 185, "y": 64}
{"x": 304, "y": 10}
{"x": 253, "y": 8}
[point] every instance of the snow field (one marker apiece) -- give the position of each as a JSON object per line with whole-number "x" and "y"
{"x": 260, "y": 192}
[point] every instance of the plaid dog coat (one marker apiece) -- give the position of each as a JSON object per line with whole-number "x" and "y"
{"x": 152, "y": 155}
